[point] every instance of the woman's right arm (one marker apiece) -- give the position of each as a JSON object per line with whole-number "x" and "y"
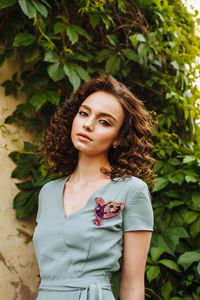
{"x": 136, "y": 247}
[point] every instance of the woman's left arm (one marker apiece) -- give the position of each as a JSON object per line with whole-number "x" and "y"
{"x": 136, "y": 247}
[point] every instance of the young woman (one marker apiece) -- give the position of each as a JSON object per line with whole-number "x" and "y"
{"x": 100, "y": 209}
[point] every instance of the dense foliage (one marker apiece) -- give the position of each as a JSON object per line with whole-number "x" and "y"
{"x": 151, "y": 46}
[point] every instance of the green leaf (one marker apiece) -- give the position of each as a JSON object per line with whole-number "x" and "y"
{"x": 135, "y": 38}
{"x": 7, "y": 3}
{"x": 158, "y": 165}
{"x": 23, "y": 39}
{"x": 190, "y": 217}
{"x": 188, "y": 159}
{"x": 156, "y": 252}
{"x": 51, "y": 56}
{"x": 198, "y": 268}
{"x": 130, "y": 54}
{"x": 29, "y": 147}
{"x": 122, "y": 6}
{"x": 106, "y": 21}
{"x": 72, "y": 76}
{"x": 170, "y": 238}
{"x": 142, "y": 50}
{"x": 14, "y": 155}
{"x": 175, "y": 65}
{"x": 113, "y": 40}
{"x": 77, "y": 56}
{"x": 72, "y": 34}
{"x": 188, "y": 258}
{"x": 94, "y": 20}
{"x": 113, "y": 64}
{"x": 41, "y": 181}
{"x": 27, "y": 108}
{"x": 160, "y": 184}
{"x": 27, "y": 185}
{"x": 163, "y": 243}
{"x": 63, "y": 19}
{"x": 195, "y": 228}
{"x": 42, "y": 169}
{"x": 40, "y": 7}
{"x": 28, "y": 8}
{"x": 140, "y": 37}
{"x": 189, "y": 178}
{"x": 81, "y": 31}
{"x": 26, "y": 158}
{"x": 53, "y": 97}
{"x": 166, "y": 290}
{"x": 178, "y": 231}
{"x": 59, "y": 27}
{"x": 174, "y": 161}
{"x": 32, "y": 123}
{"x": 133, "y": 41}
{"x": 153, "y": 273}
{"x": 56, "y": 72}
{"x": 21, "y": 198}
{"x": 176, "y": 178}
{"x": 172, "y": 193}
{"x": 21, "y": 171}
{"x": 31, "y": 53}
{"x": 175, "y": 204}
{"x": 196, "y": 199}
{"x": 27, "y": 208}
{"x": 169, "y": 264}
{"x": 103, "y": 54}
{"x": 81, "y": 72}
{"x": 38, "y": 100}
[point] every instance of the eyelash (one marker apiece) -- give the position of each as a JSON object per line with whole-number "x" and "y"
{"x": 103, "y": 122}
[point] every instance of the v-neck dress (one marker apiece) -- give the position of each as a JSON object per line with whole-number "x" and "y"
{"x": 76, "y": 258}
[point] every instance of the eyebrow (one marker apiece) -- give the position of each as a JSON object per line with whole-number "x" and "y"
{"x": 101, "y": 114}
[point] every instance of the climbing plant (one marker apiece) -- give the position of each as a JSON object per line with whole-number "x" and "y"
{"x": 151, "y": 46}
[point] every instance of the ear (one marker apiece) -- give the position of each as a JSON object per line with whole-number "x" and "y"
{"x": 115, "y": 143}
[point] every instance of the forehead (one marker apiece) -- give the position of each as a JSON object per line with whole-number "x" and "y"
{"x": 103, "y": 102}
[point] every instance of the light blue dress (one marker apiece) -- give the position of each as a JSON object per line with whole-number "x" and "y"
{"x": 77, "y": 256}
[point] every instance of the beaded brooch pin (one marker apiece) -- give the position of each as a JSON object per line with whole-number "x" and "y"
{"x": 105, "y": 210}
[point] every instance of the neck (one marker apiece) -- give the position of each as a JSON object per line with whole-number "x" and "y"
{"x": 88, "y": 168}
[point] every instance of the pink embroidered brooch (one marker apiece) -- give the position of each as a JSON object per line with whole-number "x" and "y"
{"x": 105, "y": 210}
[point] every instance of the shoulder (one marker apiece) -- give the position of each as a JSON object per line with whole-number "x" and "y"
{"x": 53, "y": 184}
{"x": 134, "y": 190}
{"x": 138, "y": 213}
{"x": 132, "y": 184}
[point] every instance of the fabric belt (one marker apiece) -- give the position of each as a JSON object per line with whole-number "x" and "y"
{"x": 90, "y": 287}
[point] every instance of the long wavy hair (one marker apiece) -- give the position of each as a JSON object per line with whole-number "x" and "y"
{"x": 131, "y": 158}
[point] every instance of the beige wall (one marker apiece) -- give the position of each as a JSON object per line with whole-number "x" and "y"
{"x": 18, "y": 266}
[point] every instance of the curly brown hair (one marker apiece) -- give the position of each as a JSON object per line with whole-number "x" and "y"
{"x": 132, "y": 156}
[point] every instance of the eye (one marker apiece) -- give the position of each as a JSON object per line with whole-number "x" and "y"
{"x": 105, "y": 123}
{"x": 82, "y": 113}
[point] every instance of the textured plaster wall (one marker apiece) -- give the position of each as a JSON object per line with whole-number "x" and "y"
{"x": 18, "y": 266}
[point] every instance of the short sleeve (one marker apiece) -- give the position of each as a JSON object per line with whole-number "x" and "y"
{"x": 138, "y": 213}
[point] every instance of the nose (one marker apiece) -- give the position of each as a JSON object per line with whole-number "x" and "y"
{"x": 88, "y": 125}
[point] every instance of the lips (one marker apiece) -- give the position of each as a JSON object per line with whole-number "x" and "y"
{"x": 84, "y": 135}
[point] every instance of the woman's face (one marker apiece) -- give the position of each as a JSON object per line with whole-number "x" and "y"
{"x": 97, "y": 123}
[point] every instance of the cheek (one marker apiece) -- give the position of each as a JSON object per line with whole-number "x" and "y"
{"x": 74, "y": 129}
{"x": 75, "y": 125}
{"x": 106, "y": 137}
